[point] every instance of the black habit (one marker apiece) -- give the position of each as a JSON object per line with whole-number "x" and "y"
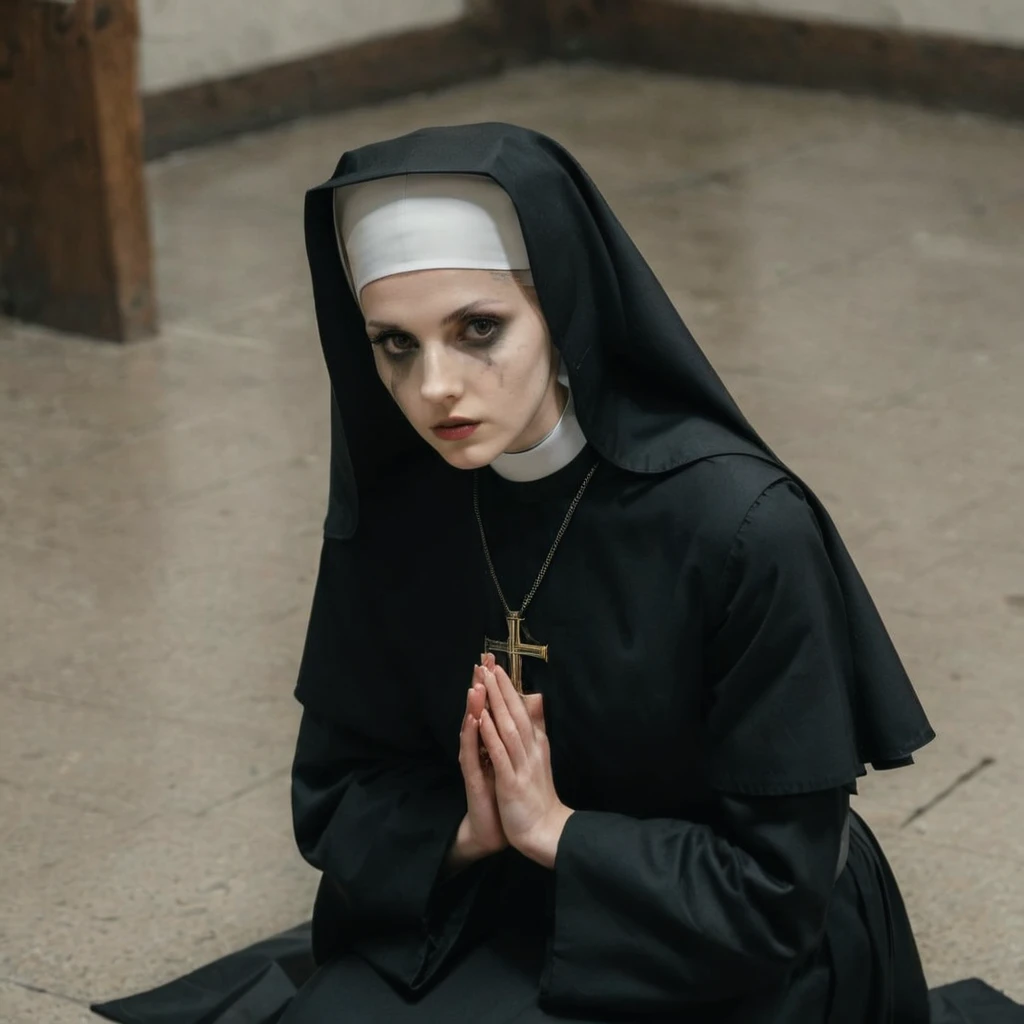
{"x": 718, "y": 679}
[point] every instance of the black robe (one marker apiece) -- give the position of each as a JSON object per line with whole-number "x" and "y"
{"x": 696, "y": 641}
{"x": 691, "y": 619}
{"x": 719, "y": 677}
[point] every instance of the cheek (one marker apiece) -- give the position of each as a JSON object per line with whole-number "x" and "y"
{"x": 392, "y": 380}
{"x": 385, "y": 375}
{"x": 392, "y": 374}
{"x": 526, "y": 366}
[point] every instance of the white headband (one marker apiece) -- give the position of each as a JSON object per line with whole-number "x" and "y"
{"x": 412, "y": 222}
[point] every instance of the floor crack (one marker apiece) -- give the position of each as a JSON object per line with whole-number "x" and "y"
{"x": 243, "y": 791}
{"x": 984, "y": 763}
{"x": 39, "y": 990}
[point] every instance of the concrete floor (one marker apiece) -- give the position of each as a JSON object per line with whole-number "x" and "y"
{"x": 854, "y": 270}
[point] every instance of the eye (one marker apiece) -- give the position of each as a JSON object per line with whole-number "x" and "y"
{"x": 394, "y": 344}
{"x": 482, "y": 328}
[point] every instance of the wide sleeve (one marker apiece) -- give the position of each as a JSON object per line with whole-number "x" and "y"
{"x": 651, "y": 915}
{"x": 779, "y": 676}
{"x": 379, "y": 827}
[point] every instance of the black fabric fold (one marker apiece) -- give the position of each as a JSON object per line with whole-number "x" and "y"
{"x": 253, "y": 986}
{"x": 651, "y": 916}
{"x": 379, "y": 827}
{"x": 973, "y": 1001}
{"x": 779, "y": 717}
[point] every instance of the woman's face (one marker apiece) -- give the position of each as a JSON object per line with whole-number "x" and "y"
{"x": 467, "y": 356}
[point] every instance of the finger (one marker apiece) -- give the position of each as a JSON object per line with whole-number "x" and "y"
{"x": 478, "y": 701}
{"x": 503, "y": 720}
{"x": 469, "y": 752}
{"x": 514, "y": 702}
{"x": 463, "y": 734}
{"x": 495, "y": 747}
{"x": 477, "y": 697}
{"x": 535, "y": 709}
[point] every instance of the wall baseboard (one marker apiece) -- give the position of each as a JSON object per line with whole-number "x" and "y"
{"x": 687, "y": 38}
{"x": 933, "y": 70}
{"x": 349, "y": 76}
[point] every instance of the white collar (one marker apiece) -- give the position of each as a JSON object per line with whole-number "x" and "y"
{"x": 547, "y": 456}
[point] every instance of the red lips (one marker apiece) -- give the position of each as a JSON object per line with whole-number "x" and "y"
{"x": 457, "y": 428}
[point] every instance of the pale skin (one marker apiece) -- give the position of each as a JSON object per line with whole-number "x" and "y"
{"x": 473, "y": 345}
{"x": 515, "y": 802}
{"x": 467, "y": 344}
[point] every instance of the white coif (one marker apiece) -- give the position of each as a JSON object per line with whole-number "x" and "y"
{"x": 549, "y": 455}
{"x": 412, "y": 222}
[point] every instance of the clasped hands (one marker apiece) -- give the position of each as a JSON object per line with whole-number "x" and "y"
{"x": 513, "y": 800}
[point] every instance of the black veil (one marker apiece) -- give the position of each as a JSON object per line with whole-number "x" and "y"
{"x": 646, "y": 396}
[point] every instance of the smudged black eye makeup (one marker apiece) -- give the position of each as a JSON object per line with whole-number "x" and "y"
{"x": 484, "y": 330}
{"x": 394, "y": 344}
{"x": 477, "y": 332}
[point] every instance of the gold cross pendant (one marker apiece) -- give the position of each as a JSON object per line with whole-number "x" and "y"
{"x": 516, "y": 649}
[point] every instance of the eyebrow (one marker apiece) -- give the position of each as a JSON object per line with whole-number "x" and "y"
{"x": 453, "y": 317}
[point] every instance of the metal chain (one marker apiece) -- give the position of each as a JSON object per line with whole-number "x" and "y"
{"x": 551, "y": 553}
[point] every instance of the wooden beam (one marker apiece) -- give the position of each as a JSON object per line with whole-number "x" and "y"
{"x": 75, "y": 245}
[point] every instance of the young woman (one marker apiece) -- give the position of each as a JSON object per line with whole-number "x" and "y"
{"x": 590, "y": 677}
{"x": 526, "y": 435}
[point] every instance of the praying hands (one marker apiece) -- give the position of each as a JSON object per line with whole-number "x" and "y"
{"x": 511, "y": 801}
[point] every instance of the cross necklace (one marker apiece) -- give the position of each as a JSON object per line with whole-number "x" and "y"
{"x": 519, "y": 645}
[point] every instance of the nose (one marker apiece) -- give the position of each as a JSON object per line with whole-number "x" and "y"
{"x": 442, "y": 380}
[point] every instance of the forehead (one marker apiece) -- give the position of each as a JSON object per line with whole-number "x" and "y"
{"x": 433, "y": 294}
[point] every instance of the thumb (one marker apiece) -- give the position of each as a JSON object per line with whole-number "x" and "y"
{"x": 535, "y": 709}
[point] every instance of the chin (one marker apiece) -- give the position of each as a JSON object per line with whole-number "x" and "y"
{"x": 471, "y": 456}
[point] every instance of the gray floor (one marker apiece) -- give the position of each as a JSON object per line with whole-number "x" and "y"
{"x": 854, "y": 270}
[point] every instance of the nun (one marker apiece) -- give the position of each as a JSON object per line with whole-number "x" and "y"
{"x": 590, "y": 677}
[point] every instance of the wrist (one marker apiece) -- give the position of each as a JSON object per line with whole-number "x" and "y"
{"x": 465, "y": 849}
{"x": 541, "y": 843}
